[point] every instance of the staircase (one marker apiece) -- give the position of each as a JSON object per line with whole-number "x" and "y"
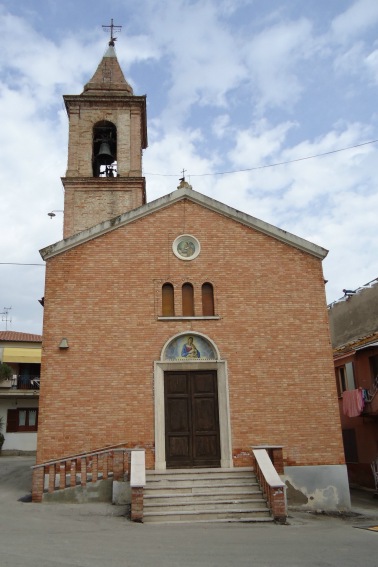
{"x": 204, "y": 495}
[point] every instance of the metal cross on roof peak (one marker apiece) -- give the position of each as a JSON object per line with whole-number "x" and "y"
{"x": 112, "y": 28}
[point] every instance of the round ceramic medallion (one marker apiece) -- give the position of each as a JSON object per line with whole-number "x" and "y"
{"x": 186, "y": 247}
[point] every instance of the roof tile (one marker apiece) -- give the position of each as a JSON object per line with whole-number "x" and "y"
{"x": 22, "y": 337}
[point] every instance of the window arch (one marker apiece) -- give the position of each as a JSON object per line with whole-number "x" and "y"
{"x": 187, "y": 300}
{"x": 207, "y": 299}
{"x": 168, "y": 300}
{"x": 104, "y": 149}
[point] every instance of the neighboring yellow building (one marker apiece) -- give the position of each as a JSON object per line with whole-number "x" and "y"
{"x": 19, "y": 397}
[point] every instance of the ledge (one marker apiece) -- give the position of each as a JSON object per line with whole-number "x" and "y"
{"x": 19, "y": 393}
{"x": 181, "y": 318}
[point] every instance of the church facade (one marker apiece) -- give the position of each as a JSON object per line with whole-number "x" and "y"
{"x": 181, "y": 326}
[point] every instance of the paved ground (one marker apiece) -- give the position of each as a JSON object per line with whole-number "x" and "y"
{"x": 98, "y": 535}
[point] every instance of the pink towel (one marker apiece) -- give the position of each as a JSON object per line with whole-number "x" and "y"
{"x": 353, "y": 402}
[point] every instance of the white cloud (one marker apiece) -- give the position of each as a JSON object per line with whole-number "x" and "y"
{"x": 221, "y": 125}
{"x": 201, "y": 53}
{"x": 37, "y": 65}
{"x": 360, "y": 16}
{"x": 350, "y": 60}
{"x": 273, "y": 55}
{"x": 371, "y": 62}
{"x": 173, "y": 153}
{"x": 229, "y": 88}
{"x": 254, "y": 145}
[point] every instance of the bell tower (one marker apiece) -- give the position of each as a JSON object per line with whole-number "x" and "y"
{"x": 107, "y": 134}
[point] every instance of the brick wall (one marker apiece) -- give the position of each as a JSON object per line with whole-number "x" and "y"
{"x": 89, "y": 201}
{"x": 105, "y": 297}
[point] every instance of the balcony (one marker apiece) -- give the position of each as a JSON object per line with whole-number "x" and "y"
{"x": 21, "y": 383}
{"x": 371, "y": 400}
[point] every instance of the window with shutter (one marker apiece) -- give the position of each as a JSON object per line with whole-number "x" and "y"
{"x": 207, "y": 299}
{"x": 12, "y": 421}
{"x": 187, "y": 300}
{"x": 22, "y": 419}
{"x": 168, "y": 300}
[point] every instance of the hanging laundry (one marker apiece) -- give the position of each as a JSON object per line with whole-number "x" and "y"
{"x": 353, "y": 402}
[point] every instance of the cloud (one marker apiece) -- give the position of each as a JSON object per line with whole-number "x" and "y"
{"x": 230, "y": 86}
{"x": 174, "y": 152}
{"x": 273, "y": 56}
{"x": 259, "y": 142}
{"x": 32, "y": 63}
{"x": 351, "y": 60}
{"x": 201, "y": 53}
{"x": 359, "y": 17}
{"x": 221, "y": 125}
{"x": 371, "y": 62}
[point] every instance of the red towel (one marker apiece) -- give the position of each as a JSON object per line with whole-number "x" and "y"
{"x": 353, "y": 402}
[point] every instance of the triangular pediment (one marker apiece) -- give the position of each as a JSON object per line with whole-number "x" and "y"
{"x": 171, "y": 199}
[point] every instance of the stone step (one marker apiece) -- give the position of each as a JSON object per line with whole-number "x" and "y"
{"x": 251, "y": 514}
{"x": 195, "y": 479}
{"x": 240, "y": 472}
{"x": 170, "y": 497}
{"x": 178, "y": 505}
{"x": 203, "y": 488}
{"x": 204, "y": 495}
{"x": 173, "y": 480}
{"x": 250, "y": 520}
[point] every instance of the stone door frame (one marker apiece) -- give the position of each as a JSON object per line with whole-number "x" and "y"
{"x": 223, "y": 403}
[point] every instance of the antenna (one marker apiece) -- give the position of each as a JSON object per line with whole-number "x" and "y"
{"x": 5, "y": 317}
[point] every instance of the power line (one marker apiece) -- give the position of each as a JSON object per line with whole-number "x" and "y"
{"x": 19, "y": 264}
{"x": 268, "y": 165}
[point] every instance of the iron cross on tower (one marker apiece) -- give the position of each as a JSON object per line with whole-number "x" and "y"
{"x": 112, "y": 28}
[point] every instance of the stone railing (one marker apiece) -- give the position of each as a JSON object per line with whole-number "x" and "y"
{"x": 137, "y": 484}
{"x": 271, "y": 484}
{"x": 115, "y": 462}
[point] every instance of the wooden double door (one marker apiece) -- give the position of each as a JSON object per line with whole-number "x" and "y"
{"x": 191, "y": 419}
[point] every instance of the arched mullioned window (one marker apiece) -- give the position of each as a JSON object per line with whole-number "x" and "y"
{"x": 168, "y": 300}
{"x": 104, "y": 149}
{"x": 207, "y": 299}
{"x": 187, "y": 300}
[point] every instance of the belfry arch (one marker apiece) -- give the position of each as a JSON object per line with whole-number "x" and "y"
{"x": 104, "y": 153}
{"x": 173, "y": 359}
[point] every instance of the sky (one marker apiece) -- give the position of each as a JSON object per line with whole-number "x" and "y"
{"x": 242, "y": 94}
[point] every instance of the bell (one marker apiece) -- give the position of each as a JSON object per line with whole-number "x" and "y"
{"x": 104, "y": 155}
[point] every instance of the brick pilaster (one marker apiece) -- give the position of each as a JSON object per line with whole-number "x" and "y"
{"x": 37, "y": 484}
{"x": 278, "y": 505}
{"x": 137, "y": 504}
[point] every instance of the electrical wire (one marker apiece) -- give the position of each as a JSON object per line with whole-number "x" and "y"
{"x": 268, "y": 165}
{"x": 230, "y": 172}
{"x": 19, "y": 264}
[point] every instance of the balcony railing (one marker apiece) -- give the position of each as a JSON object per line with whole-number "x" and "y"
{"x": 370, "y": 394}
{"x": 371, "y": 400}
{"x": 21, "y": 383}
